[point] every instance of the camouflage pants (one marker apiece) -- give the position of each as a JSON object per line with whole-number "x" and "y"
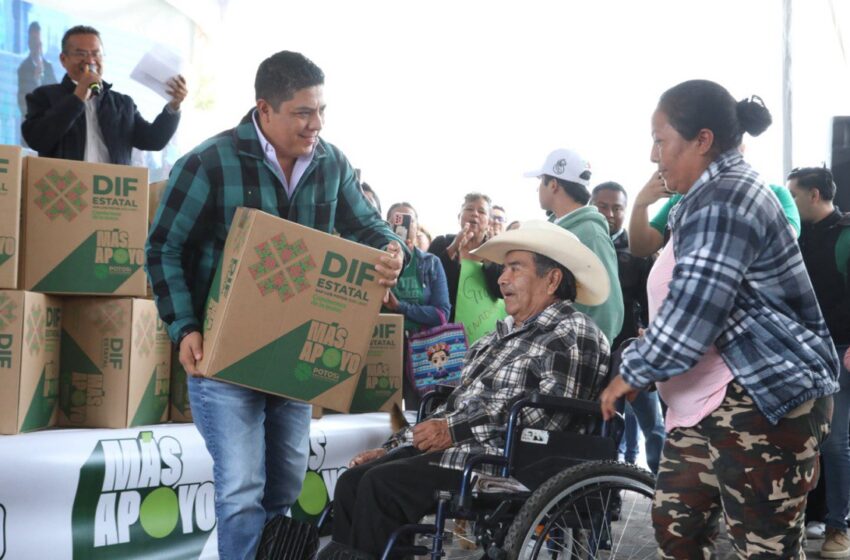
{"x": 736, "y": 462}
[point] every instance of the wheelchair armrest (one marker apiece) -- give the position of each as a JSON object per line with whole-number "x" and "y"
{"x": 432, "y": 399}
{"x": 465, "y": 495}
{"x": 563, "y": 404}
{"x": 613, "y": 427}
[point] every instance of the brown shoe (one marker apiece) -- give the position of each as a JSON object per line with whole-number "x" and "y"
{"x": 836, "y": 544}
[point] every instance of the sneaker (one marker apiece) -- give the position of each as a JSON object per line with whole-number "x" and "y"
{"x": 815, "y": 530}
{"x": 836, "y": 544}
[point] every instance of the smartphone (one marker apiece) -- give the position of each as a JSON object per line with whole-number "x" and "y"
{"x": 401, "y": 225}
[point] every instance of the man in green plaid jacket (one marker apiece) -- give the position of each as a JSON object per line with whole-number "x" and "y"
{"x": 273, "y": 160}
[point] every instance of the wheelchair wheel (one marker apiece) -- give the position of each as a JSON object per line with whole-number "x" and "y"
{"x": 597, "y": 510}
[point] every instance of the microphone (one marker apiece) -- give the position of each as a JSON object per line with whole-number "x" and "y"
{"x": 94, "y": 88}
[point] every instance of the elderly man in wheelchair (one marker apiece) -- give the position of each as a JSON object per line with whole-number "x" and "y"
{"x": 519, "y": 416}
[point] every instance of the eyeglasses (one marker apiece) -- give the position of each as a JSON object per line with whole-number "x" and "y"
{"x": 81, "y": 54}
{"x": 498, "y": 219}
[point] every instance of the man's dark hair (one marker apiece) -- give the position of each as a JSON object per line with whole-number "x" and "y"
{"x": 567, "y": 288}
{"x": 367, "y": 189}
{"x": 576, "y": 191}
{"x": 399, "y": 205}
{"x": 78, "y": 30}
{"x": 497, "y": 207}
{"x": 34, "y": 26}
{"x": 609, "y": 186}
{"x": 819, "y": 178}
{"x": 282, "y": 74}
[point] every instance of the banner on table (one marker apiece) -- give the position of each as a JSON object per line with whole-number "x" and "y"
{"x": 141, "y": 493}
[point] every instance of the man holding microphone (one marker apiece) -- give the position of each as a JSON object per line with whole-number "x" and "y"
{"x": 83, "y": 118}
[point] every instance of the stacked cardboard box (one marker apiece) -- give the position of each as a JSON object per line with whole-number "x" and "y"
{"x": 381, "y": 380}
{"x": 10, "y": 214}
{"x": 116, "y": 363}
{"x": 84, "y": 228}
{"x": 29, "y": 360}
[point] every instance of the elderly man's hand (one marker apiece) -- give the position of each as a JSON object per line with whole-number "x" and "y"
{"x": 367, "y": 456}
{"x": 389, "y": 267}
{"x": 616, "y": 389}
{"x": 432, "y": 435}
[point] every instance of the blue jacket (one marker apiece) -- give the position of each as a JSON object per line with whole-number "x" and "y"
{"x": 435, "y": 293}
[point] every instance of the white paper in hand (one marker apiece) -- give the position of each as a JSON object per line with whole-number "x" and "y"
{"x": 156, "y": 67}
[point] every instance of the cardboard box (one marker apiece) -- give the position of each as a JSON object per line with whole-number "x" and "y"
{"x": 30, "y": 326}
{"x": 84, "y": 227}
{"x": 291, "y": 310}
{"x": 155, "y": 191}
{"x": 381, "y": 380}
{"x": 10, "y": 214}
{"x": 115, "y": 365}
{"x": 179, "y": 409}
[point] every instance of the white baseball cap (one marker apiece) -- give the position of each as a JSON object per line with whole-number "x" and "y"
{"x": 564, "y": 164}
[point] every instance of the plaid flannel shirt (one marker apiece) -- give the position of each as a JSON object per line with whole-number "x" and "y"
{"x": 223, "y": 173}
{"x": 561, "y": 352}
{"x": 739, "y": 283}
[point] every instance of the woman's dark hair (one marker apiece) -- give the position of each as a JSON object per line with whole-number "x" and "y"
{"x": 567, "y": 288}
{"x": 697, "y": 104}
{"x": 367, "y": 189}
{"x": 397, "y": 205}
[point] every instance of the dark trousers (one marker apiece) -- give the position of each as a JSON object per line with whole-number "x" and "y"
{"x": 374, "y": 499}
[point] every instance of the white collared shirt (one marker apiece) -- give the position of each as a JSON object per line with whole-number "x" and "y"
{"x": 96, "y": 151}
{"x": 271, "y": 157}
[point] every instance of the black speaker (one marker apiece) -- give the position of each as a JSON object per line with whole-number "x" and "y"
{"x": 841, "y": 161}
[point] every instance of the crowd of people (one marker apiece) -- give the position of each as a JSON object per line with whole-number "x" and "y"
{"x": 732, "y": 331}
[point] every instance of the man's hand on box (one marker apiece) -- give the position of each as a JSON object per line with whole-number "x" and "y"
{"x": 389, "y": 267}
{"x": 366, "y": 456}
{"x": 432, "y": 435}
{"x": 192, "y": 352}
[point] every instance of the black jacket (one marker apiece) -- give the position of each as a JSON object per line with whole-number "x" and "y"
{"x": 55, "y": 124}
{"x": 817, "y": 243}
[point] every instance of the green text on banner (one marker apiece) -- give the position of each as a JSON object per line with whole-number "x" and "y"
{"x": 476, "y": 309}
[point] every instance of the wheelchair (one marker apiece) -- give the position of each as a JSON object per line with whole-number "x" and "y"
{"x": 578, "y": 502}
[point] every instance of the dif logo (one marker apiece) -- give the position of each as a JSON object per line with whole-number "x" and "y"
{"x": 4, "y": 169}
{"x": 117, "y": 186}
{"x": 354, "y": 272}
{"x": 384, "y": 330}
{"x": 6, "y": 343}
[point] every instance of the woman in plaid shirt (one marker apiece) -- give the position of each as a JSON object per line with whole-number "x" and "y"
{"x": 738, "y": 348}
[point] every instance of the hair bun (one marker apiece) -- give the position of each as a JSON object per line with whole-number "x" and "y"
{"x": 753, "y": 115}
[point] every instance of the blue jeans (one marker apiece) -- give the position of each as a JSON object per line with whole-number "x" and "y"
{"x": 835, "y": 453}
{"x": 647, "y": 409}
{"x": 259, "y": 444}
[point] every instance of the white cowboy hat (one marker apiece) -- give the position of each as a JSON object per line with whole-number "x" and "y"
{"x": 560, "y": 245}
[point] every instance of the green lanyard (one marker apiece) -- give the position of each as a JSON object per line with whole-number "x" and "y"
{"x": 409, "y": 289}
